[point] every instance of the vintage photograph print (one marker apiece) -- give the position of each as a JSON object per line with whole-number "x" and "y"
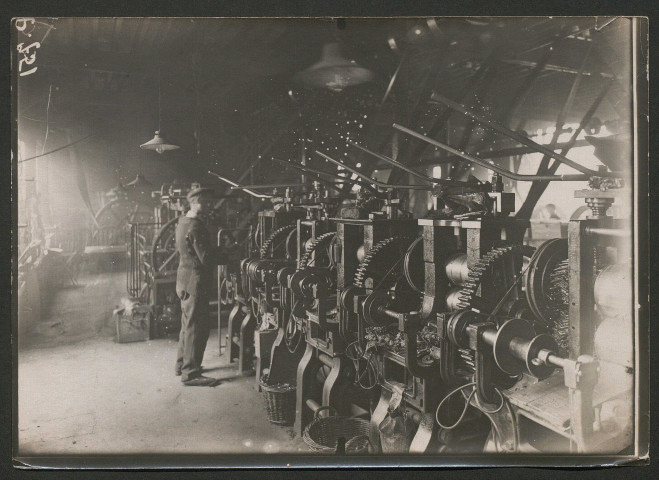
{"x": 319, "y": 241}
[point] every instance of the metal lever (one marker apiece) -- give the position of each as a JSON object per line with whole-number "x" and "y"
{"x": 372, "y": 180}
{"x": 502, "y": 171}
{"x": 234, "y": 184}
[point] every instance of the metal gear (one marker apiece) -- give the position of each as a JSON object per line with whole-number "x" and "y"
{"x": 321, "y": 241}
{"x": 467, "y": 295}
{"x": 378, "y": 262}
{"x": 280, "y": 232}
{"x": 547, "y": 289}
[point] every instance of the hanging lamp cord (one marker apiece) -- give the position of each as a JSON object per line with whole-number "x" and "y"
{"x": 159, "y": 101}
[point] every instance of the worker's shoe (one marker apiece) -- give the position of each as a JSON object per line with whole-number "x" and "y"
{"x": 201, "y": 381}
{"x": 178, "y": 370}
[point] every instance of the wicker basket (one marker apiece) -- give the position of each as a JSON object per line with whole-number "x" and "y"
{"x": 279, "y": 402}
{"x": 322, "y": 433}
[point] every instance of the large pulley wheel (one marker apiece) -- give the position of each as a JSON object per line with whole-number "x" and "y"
{"x": 116, "y": 215}
{"x": 164, "y": 254}
{"x": 537, "y": 280}
{"x": 413, "y": 266}
{"x": 348, "y": 295}
{"x": 303, "y": 281}
{"x": 514, "y": 328}
{"x": 252, "y": 270}
{"x": 373, "y": 306}
{"x": 516, "y": 347}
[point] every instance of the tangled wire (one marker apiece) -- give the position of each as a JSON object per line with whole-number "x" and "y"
{"x": 292, "y": 332}
{"x": 467, "y": 398}
{"x": 372, "y": 367}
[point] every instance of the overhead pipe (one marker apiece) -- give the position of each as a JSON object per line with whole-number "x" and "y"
{"x": 439, "y": 181}
{"x": 437, "y": 98}
{"x": 372, "y": 180}
{"x": 338, "y": 178}
{"x": 234, "y": 184}
{"x": 489, "y": 166}
{"x": 305, "y": 170}
{"x": 272, "y": 185}
{"x": 308, "y": 169}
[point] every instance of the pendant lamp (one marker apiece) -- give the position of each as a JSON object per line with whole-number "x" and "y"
{"x": 333, "y": 71}
{"x": 158, "y": 143}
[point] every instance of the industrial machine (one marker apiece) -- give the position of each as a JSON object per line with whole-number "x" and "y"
{"x": 562, "y": 368}
{"x": 447, "y": 332}
{"x": 153, "y": 257}
{"x": 259, "y": 319}
{"x": 516, "y": 316}
{"x": 398, "y": 289}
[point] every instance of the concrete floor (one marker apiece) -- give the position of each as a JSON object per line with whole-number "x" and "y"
{"x": 80, "y": 392}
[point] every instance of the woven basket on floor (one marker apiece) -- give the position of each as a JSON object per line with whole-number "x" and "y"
{"x": 279, "y": 402}
{"x": 322, "y": 433}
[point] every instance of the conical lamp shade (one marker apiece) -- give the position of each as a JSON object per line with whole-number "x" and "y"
{"x": 614, "y": 151}
{"x": 139, "y": 181}
{"x": 158, "y": 144}
{"x": 333, "y": 71}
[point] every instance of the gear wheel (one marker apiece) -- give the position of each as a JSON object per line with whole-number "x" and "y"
{"x": 280, "y": 232}
{"x": 377, "y": 262}
{"x": 467, "y": 295}
{"x": 321, "y": 241}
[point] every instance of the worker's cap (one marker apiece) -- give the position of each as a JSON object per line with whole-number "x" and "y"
{"x": 195, "y": 192}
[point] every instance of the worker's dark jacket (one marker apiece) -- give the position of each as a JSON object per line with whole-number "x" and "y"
{"x": 198, "y": 257}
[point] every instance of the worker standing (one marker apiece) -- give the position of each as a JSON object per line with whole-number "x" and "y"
{"x": 194, "y": 278}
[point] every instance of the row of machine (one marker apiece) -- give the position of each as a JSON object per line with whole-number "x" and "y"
{"x": 449, "y": 329}
{"x": 448, "y": 333}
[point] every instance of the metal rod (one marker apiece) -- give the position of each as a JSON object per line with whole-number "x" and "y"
{"x": 272, "y": 185}
{"x": 234, "y": 184}
{"x": 503, "y": 153}
{"x": 437, "y": 98}
{"x": 515, "y": 151}
{"x": 563, "y": 36}
{"x": 305, "y": 170}
{"x": 556, "y": 68}
{"x": 372, "y": 180}
{"x": 608, "y": 232}
{"x": 536, "y": 191}
{"x": 412, "y": 153}
{"x": 520, "y": 96}
{"x": 489, "y": 166}
{"x": 427, "y": 178}
{"x": 308, "y": 169}
{"x": 338, "y": 178}
{"x": 555, "y": 360}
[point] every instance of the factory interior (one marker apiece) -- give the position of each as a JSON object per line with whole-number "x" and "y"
{"x": 419, "y": 237}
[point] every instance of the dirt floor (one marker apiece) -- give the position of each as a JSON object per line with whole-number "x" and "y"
{"x": 81, "y": 393}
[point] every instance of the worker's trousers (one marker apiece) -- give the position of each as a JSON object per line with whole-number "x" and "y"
{"x": 195, "y": 328}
